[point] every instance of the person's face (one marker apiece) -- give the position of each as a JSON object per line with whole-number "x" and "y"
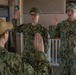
{"x": 34, "y": 17}
{"x": 71, "y": 14}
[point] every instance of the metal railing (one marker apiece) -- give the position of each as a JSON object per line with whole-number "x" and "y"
{"x": 54, "y": 45}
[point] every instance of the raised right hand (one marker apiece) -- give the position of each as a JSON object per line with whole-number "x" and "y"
{"x": 54, "y": 21}
{"x": 38, "y": 42}
{"x": 17, "y": 14}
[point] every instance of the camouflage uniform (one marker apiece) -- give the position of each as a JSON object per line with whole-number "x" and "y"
{"x": 11, "y": 64}
{"x": 67, "y": 33}
{"x": 66, "y": 30}
{"x": 30, "y": 55}
{"x": 29, "y": 32}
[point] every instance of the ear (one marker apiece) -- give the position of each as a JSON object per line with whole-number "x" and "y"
{"x": 4, "y": 34}
{"x": 39, "y": 16}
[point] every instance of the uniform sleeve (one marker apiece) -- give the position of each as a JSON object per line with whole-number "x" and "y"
{"x": 28, "y": 69}
{"x": 42, "y": 65}
{"x": 19, "y": 28}
{"x": 39, "y": 63}
{"x": 54, "y": 31}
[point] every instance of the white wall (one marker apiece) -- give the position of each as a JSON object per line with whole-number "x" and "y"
{"x": 3, "y": 2}
{"x": 54, "y": 7}
{"x": 45, "y": 19}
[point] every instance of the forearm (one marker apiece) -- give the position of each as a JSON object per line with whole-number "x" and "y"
{"x": 16, "y": 28}
{"x": 14, "y": 21}
{"x": 42, "y": 65}
{"x": 28, "y": 69}
{"x": 43, "y": 69}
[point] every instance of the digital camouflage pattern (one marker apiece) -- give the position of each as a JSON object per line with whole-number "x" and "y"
{"x": 36, "y": 10}
{"x": 11, "y": 64}
{"x": 39, "y": 63}
{"x": 29, "y": 32}
{"x": 70, "y": 6}
{"x": 30, "y": 55}
{"x": 67, "y": 32}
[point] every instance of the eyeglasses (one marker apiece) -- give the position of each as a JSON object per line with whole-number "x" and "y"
{"x": 34, "y": 14}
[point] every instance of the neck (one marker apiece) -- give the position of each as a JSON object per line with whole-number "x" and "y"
{"x": 73, "y": 19}
{"x": 34, "y": 23}
{"x": 1, "y": 44}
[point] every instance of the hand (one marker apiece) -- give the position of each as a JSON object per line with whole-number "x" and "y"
{"x": 17, "y": 14}
{"x": 54, "y": 20}
{"x": 38, "y": 42}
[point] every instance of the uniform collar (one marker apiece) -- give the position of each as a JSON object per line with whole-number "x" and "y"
{"x": 71, "y": 22}
{"x": 2, "y": 50}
